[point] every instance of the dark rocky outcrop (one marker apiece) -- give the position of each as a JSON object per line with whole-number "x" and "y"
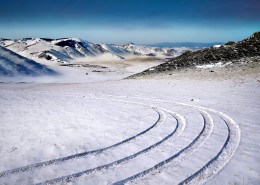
{"x": 45, "y": 55}
{"x": 151, "y": 55}
{"x": 231, "y": 51}
{"x": 47, "y": 39}
{"x": 63, "y": 43}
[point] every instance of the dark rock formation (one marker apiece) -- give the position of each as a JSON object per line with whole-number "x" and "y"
{"x": 63, "y": 43}
{"x": 231, "y": 51}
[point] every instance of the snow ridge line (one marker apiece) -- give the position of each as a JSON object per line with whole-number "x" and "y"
{"x": 181, "y": 124}
{"x": 221, "y": 159}
{"x": 161, "y": 119}
{"x": 179, "y": 156}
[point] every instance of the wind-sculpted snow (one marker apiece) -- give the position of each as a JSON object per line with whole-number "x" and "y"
{"x": 12, "y": 64}
{"x": 180, "y": 131}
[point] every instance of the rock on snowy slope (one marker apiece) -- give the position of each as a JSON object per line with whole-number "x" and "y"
{"x": 12, "y": 64}
{"x": 231, "y": 53}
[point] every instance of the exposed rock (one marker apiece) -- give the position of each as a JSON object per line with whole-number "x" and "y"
{"x": 229, "y": 43}
{"x": 45, "y": 55}
{"x": 231, "y": 51}
{"x": 97, "y": 71}
{"x": 70, "y": 43}
{"x": 83, "y": 65}
{"x": 47, "y": 39}
{"x": 151, "y": 55}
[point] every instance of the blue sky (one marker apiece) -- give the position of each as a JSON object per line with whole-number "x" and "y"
{"x": 139, "y": 21}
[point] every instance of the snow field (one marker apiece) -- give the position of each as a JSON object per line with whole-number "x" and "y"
{"x": 180, "y": 134}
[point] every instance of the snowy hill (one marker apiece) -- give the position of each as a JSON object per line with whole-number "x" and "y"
{"x": 66, "y": 49}
{"x": 148, "y": 50}
{"x": 12, "y": 64}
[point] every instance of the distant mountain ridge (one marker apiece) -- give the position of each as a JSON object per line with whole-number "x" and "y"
{"x": 245, "y": 51}
{"x": 66, "y": 49}
{"x": 193, "y": 45}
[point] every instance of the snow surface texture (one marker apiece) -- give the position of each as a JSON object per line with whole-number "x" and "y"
{"x": 67, "y": 49}
{"x": 186, "y": 131}
{"x": 12, "y": 64}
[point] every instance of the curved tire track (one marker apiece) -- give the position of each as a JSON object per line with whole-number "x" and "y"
{"x": 215, "y": 165}
{"x": 210, "y": 169}
{"x": 181, "y": 124}
{"x": 161, "y": 118}
{"x": 185, "y": 152}
{"x": 221, "y": 159}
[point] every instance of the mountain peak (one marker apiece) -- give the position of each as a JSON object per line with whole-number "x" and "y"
{"x": 128, "y": 44}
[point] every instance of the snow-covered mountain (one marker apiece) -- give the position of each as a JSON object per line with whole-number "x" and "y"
{"x": 148, "y": 50}
{"x": 66, "y": 49}
{"x": 12, "y": 64}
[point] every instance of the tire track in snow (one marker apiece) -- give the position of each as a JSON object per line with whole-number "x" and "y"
{"x": 161, "y": 119}
{"x": 184, "y": 153}
{"x": 181, "y": 124}
{"x": 221, "y": 159}
{"x": 215, "y": 165}
{"x": 209, "y": 170}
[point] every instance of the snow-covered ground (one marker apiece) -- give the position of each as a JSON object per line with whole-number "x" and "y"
{"x": 188, "y": 127}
